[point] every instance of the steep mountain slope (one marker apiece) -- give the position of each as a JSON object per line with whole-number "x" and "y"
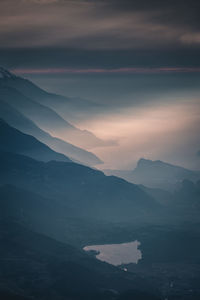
{"x": 72, "y": 108}
{"x": 43, "y": 116}
{"x": 88, "y": 192}
{"x": 19, "y": 121}
{"x": 156, "y": 174}
{"x": 13, "y": 140}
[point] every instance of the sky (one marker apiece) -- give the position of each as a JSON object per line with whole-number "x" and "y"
{"x": 139, "y": 57}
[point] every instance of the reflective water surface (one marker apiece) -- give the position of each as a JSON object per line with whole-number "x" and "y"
{"x": 117, "y": 254}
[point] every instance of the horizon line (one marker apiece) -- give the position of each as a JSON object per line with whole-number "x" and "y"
{"x": 134, "y": 70}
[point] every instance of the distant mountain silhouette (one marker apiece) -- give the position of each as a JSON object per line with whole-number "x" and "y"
{"x": 13, "y": 140}
{"x": 23, "y": 95}
{"x": 88, "y": 192}
{"x": 156, "y": 174}
{"x": 22, "y": 123}
{"x": 72, "y": 108}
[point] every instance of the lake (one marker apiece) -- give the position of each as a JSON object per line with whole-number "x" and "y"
{"x": 117, "y": 254}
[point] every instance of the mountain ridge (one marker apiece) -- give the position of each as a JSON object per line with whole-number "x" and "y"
{"x": 13, "y": 140}
{"x": 44, "y": 116}
{"x": 18, "y": 120}
{"x": 156, "y": 174}
{"x": 105, "y": 197}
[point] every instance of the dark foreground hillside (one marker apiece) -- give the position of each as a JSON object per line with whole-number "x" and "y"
{"x": 36, "y": 267}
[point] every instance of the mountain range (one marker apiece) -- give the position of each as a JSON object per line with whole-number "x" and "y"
{"x": 52, "y": 205}
{"x": 156, "y": 174}
{"x": 41, "y": 200}
{"x": 72, "y": 108}
{"x": 88, "y": 192}
{"x": 16, "y": 119}
{"x": 24, "y": 96}
{"x": 12, "y": 140}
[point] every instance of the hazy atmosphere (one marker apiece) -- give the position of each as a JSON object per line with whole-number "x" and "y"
{"x": 99, "y": 149}
{"x": 138, "y": 59}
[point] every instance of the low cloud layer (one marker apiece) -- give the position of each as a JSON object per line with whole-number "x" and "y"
{"x": 124, "y": 53}
{"x": 169, "y": 132}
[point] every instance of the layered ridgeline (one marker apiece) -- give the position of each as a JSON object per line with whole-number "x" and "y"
{"x": 72, "y": 108}
{"x": 48, "y": 204}
{"x": 13, "y": 140}
{"x": 61, "y": 200}
{"x": 35, "y": 265}
{"x": 26, "y": 97}
{"x": 156, "y": 174}
{"x": 87, "y": 192}
{"x": 13, "y": 117}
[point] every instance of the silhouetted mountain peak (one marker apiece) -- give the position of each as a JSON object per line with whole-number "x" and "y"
{"x": 146, "y": 163}
{"x": 5, "y": 74}
{"x": 156, "y": 174}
